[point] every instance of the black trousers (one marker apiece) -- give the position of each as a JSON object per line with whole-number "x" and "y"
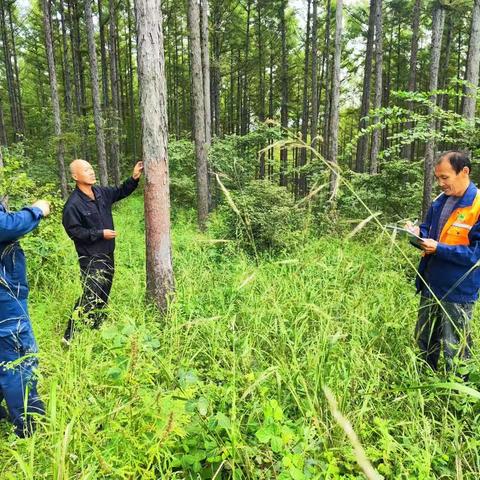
{"x": 97, "y": 277}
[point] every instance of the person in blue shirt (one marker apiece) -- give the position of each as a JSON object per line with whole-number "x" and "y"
{"x": 18, "y": 349}
{"x": 448, "y": 275}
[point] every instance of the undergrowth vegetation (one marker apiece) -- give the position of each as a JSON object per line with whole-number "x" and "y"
{"x": 230, "y": 383}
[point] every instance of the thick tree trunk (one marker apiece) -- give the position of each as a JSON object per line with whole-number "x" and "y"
{"x": 437, "y": 32}
{"x": 469, "y": 102}
{"x": 334, "y": 122}
{"x": 362, "y": 146}
{"x": 198, "y": 94}
{"x": 153, "y": 100}
{"x": 377, "y": 103}
{"x": 54, "y": 93}
{"x": 97, "y": 109}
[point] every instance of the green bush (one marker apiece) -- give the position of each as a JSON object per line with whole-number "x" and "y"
{"x": 396, "y": 192}
{"x": 182, "y": 173}
{"x": 262, "y": 217}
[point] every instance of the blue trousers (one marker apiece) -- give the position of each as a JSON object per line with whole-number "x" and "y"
{"x": 18, "y": 362}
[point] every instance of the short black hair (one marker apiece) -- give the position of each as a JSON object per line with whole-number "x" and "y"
{"x": 458, "y": 160}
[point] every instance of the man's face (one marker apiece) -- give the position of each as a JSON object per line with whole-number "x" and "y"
{"x": 83, "y": 173}
{"x": 449, "y": 181}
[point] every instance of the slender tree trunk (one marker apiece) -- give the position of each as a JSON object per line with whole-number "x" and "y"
{"x": 302, "y": 179}
{"x": 378, "y": 84}
{"x": 469, "y": 101}
{"x": 115, "y": 114}
{"x": 66, "y": 69}
{"x": 54, "y": 93}
{"x": 18, "y": 92}
{"x": 437, "y": 33}
{"x": 245, "y": 114}
{"x": 206, "y": 70}
{"x": 153, "y": 99}
{"x": 97, "y": 109}
{"x": 284, "y": 89}
{"x": 412, "y": 76}
{"x": 11, "y": 87}
{"x": 334, "y": 123}
{"x": 133, "y": 121}
{"x": 3, "y": 132}
{"x": 216, "y": 72}
{"x": 362, "y": 146}
{"x": 198, "y": 95}
{"x": 325, "y": 79}
{"x": 103, "y": 57}
{"x": 314, "y": 102}
{"x": 261, "y": 82}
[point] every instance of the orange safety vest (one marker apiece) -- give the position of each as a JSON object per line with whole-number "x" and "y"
{"x": 459, "y": 224}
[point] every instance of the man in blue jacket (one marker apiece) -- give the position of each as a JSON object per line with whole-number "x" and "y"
{"x": 18, "y": 348}
{"x": 449, "y": 277}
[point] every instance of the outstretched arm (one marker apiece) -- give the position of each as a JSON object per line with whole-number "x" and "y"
{"x": 15, "y": 225}
{"x": 127, "y": 187}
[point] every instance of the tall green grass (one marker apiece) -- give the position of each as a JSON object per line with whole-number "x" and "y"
{"x": 230, "y": 383}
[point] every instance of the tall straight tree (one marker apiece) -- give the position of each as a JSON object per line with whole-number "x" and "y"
{"x": 54, "y": 93}
{"x": 198, "y": 102}
{"x": 114, "y": 84}
{"x": 153, "y": 110}
{"x": 412, "y": 75}
{"x": 97, "y": 108}
{"x": 302, "y": 181}
{"x": 12, "y": 89}
{"x": 377, "y": 102}
{"x": 362, "y": 145}
{"x": 473, "y": 60}
{"x": 284, "y": 90}
{"x": 335, "y": 109}
{"x": 314, "y": 102}
{"x": 206, "y": 70}
{"x": 438, "y": 21}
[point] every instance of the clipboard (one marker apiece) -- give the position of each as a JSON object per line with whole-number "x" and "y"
{"x": 415, "y": 240}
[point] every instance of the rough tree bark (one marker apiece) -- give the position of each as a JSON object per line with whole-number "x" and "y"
{"x": 153, "y": 101}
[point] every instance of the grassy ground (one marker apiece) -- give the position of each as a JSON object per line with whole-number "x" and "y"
{"x": 230, "y": 383}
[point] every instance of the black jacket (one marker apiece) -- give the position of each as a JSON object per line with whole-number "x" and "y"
{"x": 85, "y": 219}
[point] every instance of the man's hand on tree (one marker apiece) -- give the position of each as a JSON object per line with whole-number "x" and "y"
{"x": 44, "y": 206}
{"x": 109, "y": 234}
{"x": 137, "y": 170}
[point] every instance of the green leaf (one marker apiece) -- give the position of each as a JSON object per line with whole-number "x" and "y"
{"x": 276, "y": 444}
{"x": 202, "y": 406}
{"x": 264, "y": 434}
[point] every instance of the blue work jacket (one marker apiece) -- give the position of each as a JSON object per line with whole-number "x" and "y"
{"x": 13, "y": 278}
{"x": 451, "y": 272}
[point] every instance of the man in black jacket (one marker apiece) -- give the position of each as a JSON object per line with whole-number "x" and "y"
{"x": 87, "y": 219}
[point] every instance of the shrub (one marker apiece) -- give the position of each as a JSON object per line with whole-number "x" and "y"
{"x": 266, "y": 218}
